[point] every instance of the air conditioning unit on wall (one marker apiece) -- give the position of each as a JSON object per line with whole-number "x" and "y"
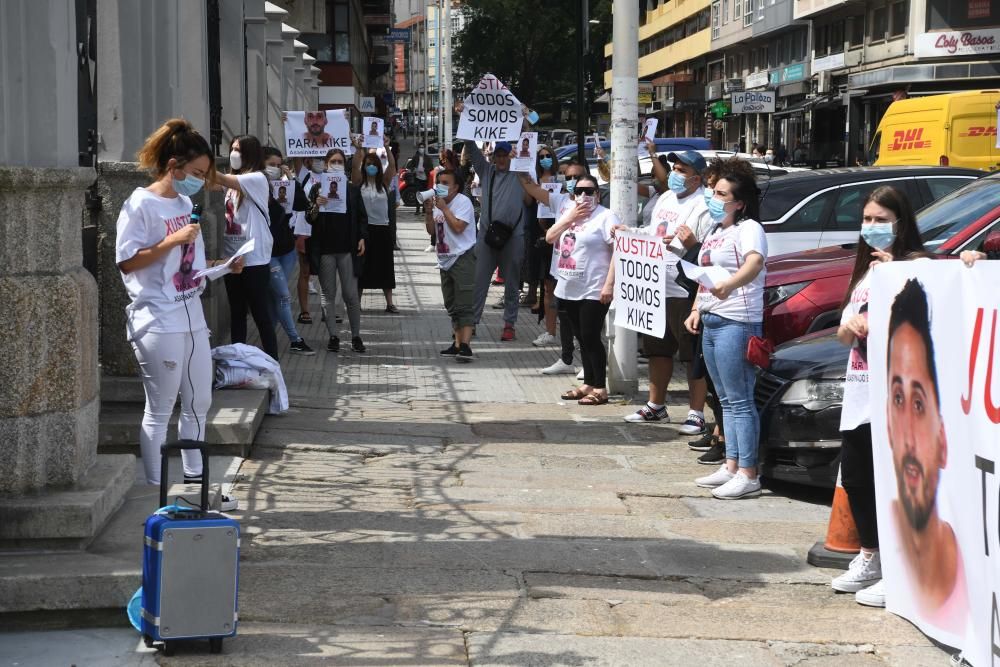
{"x": 823, "y": 83}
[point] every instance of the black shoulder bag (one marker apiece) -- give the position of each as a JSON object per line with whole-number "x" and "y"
{"x": 498, "y": 233}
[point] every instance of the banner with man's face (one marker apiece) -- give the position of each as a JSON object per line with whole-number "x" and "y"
{"x": 935, "y": 404}
{"x": 313, "y": 133}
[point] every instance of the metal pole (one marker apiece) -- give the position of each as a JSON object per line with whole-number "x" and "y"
{"x": 427, "y": 60}
{"x": 447, "y": 106}
{"x": 437, "y": 49}
{"x": 581, "y": 121}
{"x": 622, "y": 363}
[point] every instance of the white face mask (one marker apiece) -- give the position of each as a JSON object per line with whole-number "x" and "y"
{"x": 316, "y": 167}
{"x": 273, "y": 173}
{"x": 235, "y": 160}
{"x": 335, "y": 169}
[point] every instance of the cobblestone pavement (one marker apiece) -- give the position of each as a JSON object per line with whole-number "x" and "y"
{"x": 412, "y": 511}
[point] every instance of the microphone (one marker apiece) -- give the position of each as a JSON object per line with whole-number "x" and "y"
{"x": 196, "y": 214}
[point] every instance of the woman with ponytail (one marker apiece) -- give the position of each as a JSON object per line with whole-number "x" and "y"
{"x": 158, "y": 250}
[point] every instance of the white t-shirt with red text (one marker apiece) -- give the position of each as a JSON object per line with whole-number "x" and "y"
{"x": 855, "y": 409}
{"x": 584, "y": 256}
{"x": 452, "y": 245}
{"x": 249, "y": 221}
{"x": 728, "y": 247}
{"x": 160, "y": 291}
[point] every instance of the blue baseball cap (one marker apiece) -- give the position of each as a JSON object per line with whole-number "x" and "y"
{"x": 692, "y": 159}
{"x": 504, "y": 146}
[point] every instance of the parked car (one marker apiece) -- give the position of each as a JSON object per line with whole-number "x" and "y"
{"x": 803, "y": 291}
{"x": 558, "y": 137}
{"x": 567, "y": 152}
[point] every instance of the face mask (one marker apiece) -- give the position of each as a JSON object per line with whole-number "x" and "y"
{"x": 336, "y": 168}
{"x": 420, "y": 151}
{"x": 189, "y": 185}
{"x": 235, "y": 160}
{"x": 371, "y": 170}
{"x": 316, "y": 167}
{"x": 709, "y": 195}
{"x": 878, "y": 235}
{"x": 273, "y": 173}
{"x": 587, "y": 201}
{"x": 570, "y": 185}
{"x": 717, "y": 209}
{"x": 441, "y": 190}
{"x": 545, "y": 162}
{"x": 676, "y": 182}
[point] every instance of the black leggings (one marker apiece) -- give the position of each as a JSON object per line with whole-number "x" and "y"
{"x": 857, "y": 471}
{"x": 586, "y": 317}
{"x": 565, "y": 333}
{"x": 249, "y": 290}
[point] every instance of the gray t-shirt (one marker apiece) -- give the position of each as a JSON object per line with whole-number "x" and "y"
{"x": 507, "y": 193}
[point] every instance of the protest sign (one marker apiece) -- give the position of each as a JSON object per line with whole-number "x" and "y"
{"x": 524, "y": 153}
{"x": 490, "y": 113}
{"x": 313, "y": 133}
{"x": 374, "y": 128}
{"x": 643, "y": 269}
{"x": 648, "y": 132}
{"x": 936, "y": 442}
{"x": 544, "y": 212}
{"x": 284, "y": 193}
{"x": 334, "y": 188}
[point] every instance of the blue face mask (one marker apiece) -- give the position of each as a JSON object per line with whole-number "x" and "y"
{"x": 441, "y": 190}
{"x": 676, "y": 182}
{"x": 371, "y": 170}
{"x": 189, "y": 185}
{"x": 709, "y": 195}
{"x": 878, "y": 235}
{"x": 570, "y": 186}
{"x": 545, "y": 162}
{"x": 717, "y": 209}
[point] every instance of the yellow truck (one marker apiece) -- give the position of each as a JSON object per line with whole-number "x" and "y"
{"x": 956, "y": 129}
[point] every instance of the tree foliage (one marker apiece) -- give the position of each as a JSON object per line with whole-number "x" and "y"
{"x": 530, "y": 45}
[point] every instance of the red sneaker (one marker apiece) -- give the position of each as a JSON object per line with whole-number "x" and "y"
{"x": 508, "y": 333}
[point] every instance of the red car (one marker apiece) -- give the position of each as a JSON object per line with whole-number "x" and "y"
{"x": 803, "y": 291}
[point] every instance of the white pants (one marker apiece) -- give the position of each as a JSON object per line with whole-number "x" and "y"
{"x": 167, "y": 366}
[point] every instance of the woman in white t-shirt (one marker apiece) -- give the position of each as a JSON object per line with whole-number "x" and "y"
{"x": 729, "y": 314}
{"x": 159, "y": 249}
{"x": 583, "y": 237}
{"x": 888, "y": 231}
{"x": 247, "y": 220}
{"x": 380, "y": 205}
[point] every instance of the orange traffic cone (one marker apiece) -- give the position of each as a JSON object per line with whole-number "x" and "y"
{"x": 842, "y": 541}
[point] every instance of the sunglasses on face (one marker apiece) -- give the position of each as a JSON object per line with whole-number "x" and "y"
{"x": 543, "y": 155}
{"x": 585, "y": 190}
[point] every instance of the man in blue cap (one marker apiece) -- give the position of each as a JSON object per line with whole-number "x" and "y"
{"x": 503, "y": 201}
{"x": 681, "y": 213}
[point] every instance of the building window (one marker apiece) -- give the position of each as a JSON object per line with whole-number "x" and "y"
{"x": 338, "y": 17}
{"x": 737, "y": 9}
{"x": 899, "y": 17}
{"x": 747, "y": 13}
{"x": 857, "y": 30}
{"x": 725, "y": 11}
{"x": 837, "y": 37}
{"x": 880, "y": 24}
{"x": 716, "y": 8}
{"x": 760, "y": 9}
{"x": 320, "y": 45}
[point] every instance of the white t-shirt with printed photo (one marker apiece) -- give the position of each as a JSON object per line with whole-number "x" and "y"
{"x": 728, "y": 247}
{"x": 451, "y": 245}
{"x": 584, "y": 257}
{"x": 160, "y": 291}
{"x": 247, "y": 221}
{"x": 856, "y": 409}
{"x": 670, "y": 212}
{"x": 559, "y": 203}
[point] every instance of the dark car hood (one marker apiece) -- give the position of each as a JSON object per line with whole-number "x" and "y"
{"x": 810, "y": 265}
{"x": 817, "y": 354}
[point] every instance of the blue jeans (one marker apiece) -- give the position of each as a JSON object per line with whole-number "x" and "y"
{"x": 724, "y": 344}
{"x": 280, "y": 303}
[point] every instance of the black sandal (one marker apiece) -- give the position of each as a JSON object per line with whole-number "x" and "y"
{"x": 305, "y": 317}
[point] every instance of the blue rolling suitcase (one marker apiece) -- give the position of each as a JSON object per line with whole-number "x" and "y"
{"x": 190, "y": 568}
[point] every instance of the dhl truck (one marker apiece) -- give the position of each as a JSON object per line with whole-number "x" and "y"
{"x": 956, "y": 129}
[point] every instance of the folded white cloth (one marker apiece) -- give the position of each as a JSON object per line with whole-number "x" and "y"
{"x": 240, "y": 358}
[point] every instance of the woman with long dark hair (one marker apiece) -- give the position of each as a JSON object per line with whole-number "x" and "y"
{"x": 380, "y": 205}
{"x": 246, "y": 218}
{"x": 888, "y": 232}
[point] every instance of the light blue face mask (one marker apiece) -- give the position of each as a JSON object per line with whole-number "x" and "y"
{"x": 717, "y": 209}
{"x": 878, "y": 235}
{"x": 545, "y": 162}
{"x": 709, "y": 195}
{"x": 441, "y": 190}
{"x": 676, "y": 182}
{"x": 371, "y": 170}
{"x": 571, "y": 185}
{"x": 189, "y": 185}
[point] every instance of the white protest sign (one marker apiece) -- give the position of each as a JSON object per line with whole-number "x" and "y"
{"x": 334, "y": 188}
{"x": 524, "y": 153}
{"x": 313, "y": 133}
{"x": 709, "y": 276}
{"x": 216, "y": 272}
{"x": 490, "y": 113}
{"x": 648, "y": 133}
{"x": 641, "y": 273}
{"x": 753, "y": 101}
{"x": 935, "y": 424}
{"x": 284, "y": 193}
{"x": 373, "y": 128}
{"x": 544, "y": 212}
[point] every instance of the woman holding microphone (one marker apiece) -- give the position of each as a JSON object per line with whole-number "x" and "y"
{"x": 159, "y": 249}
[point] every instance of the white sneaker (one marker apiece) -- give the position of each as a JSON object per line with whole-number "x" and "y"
{"x": 429, "y": 248}
{"x": 693, "y": 425}
{"x": 873, "y": 596}
{"x": 740, "y": 486}
{"x": 861, "y": 573}
{"x": 544, "y": 339}
{"x": 559, "y": 368}
{"x": 312, "y": 288}
{"x": 579, "y": 376}
{"x": 717, "y": 478}
{"x": 228, "y": 503}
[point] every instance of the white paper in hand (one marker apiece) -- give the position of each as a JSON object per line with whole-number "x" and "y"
{"x": 709, "y": 276}
{"x": 216, "y": 272}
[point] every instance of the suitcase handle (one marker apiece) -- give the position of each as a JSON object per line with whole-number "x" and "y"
{"x": 181, "y": 445}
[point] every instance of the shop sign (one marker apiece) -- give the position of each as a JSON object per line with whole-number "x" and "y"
{"x": 795, "y": 72}
{"x": 832, "y": 61}
{"x": 957, "y": 43}
{"x": 645, "y": 93}
{"x": 689, "y": 105}
{"x": 720, "y": 108}
{"x": 399, "y": 35}
{"x": 733, "y": 85}
{"x": 761, "y": 101}
{"x": 756, "y": 80}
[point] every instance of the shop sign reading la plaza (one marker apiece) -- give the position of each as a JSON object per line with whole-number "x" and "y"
{"x": 957, "y": 43}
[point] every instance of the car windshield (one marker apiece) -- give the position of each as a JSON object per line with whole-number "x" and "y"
{"x": 948, "y": 216}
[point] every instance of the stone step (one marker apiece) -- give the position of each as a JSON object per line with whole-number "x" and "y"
{"x": 233, "y": 421}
